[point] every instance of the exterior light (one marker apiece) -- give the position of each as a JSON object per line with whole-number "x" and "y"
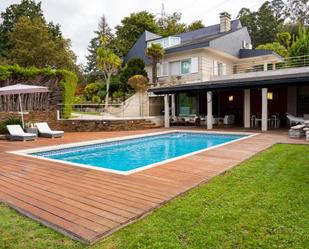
{"x": 231, "y": 98}
{"x": 270, "y": 96}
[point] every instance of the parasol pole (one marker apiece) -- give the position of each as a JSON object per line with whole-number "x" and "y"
{"x": 21, "y": 110}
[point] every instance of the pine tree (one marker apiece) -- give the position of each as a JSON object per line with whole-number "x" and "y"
{"x": 103, "y": 30}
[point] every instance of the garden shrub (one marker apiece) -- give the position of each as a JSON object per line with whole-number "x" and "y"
{"x": 9, "y": 121}
{"x": 67, "y": 83}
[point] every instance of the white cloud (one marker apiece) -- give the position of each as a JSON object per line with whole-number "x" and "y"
{"x": 79, "y": 18}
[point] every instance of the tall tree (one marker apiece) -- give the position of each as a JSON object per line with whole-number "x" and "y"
{"x": 103, "y": 30}
{"x": 33, "y": 44}
{"x": 109, "y": 63}
{"x": 263, "y": 25}
{"x": 195, "y": 25}
{"x": 171, "y": 24}
{"x": 276, "y": 47}
{"x": 298, "y": 11}
{"x": 156, "y": 53}
{"x": 131, "y": 28}
{"x": 26, "y": 8}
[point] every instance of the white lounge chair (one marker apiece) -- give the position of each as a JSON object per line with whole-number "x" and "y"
{"x": 294, "y": 120}
{"x": 17, "y": 133}
{"x": 45, "y": 131}
{"x": 297, "y": 131}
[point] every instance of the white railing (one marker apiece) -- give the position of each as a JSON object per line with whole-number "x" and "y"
{"x": 210, "y": 72}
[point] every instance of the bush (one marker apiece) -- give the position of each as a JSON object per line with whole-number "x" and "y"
{"x": 96, "y": 99}
{"x": 9, "y": 121}
{"x": 68, "y": 81}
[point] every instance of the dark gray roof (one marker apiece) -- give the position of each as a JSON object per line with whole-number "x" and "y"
{"x": 139, "y": 48}
{"x": 247, "y": 53}
{"x": 189, "y": 40}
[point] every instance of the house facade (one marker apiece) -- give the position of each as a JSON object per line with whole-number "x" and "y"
{"x": 213, "y": 73}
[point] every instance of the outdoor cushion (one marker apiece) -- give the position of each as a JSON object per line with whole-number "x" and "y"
{"x": 298, "y": 127}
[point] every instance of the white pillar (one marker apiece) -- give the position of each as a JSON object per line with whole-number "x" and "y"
{"x": 173, "y": 106}
{"x": 247, "y": 108}
{"x": 265, "y": 66}
{"x": 166, "y": 112}
{"x": 264, "y": 109}
{"x": 209, "y": 111}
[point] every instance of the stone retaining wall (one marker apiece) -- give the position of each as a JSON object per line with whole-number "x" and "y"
{"x": 81, "y": 125}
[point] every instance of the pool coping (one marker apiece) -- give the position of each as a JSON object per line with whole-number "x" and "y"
{"x": 25, "y": 153}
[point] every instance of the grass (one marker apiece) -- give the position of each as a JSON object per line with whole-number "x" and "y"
{"x": 263, "y": 203}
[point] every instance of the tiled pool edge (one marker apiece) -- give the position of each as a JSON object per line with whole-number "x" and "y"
{"x": 26, "y": 153}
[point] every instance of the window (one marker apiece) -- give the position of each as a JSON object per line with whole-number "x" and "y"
{"x": 166, "y": 42}
{"x": 175, "y": 68}
{"x": 187, "y": 104}
{"x": 186, "y": 66}
{"x": 220, "y": 68}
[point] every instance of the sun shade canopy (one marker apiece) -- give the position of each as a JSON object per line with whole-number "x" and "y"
{"x": 22, "y": 89}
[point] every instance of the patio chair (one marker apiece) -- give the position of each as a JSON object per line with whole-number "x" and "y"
{"x": 229, "y": 119}
{"x": 17, "y": 133}
{"x": 45, "y": 131}
{"x": 294, "y": 120}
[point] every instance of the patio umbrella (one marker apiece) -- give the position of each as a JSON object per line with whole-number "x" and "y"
{"x": 22, "y": 89}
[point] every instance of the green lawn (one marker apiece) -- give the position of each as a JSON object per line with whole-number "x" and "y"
{"x": 263, "y": 203}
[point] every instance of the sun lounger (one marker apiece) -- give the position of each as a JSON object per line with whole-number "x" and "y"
{"x": 297, "y": 131}
{"x": 294, "y": 120}
{"x": 17, "y": 133}
{"x": 45, "y": 131}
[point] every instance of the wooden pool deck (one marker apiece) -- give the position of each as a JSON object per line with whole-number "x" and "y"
{"x": 89, "y": 204}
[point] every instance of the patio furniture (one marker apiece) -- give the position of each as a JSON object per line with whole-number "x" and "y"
{"x": 45, "y": 131}
{"x": 297, "y": 131}
{"x": 306, "y": 117}
{"x": 229, "y": 120}
{"x": 17, "y": 133}
{"x": 275, "y": 121}
{"x": 22, "y": 89}
{"x": 294, "y": 120}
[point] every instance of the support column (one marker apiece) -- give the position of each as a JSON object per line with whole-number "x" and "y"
{"x": 209, "y": 111}
{"x": 264, "y": 109}
{"x": 166, "y": 112}
{"x": 173, "y": 106}
{"x": 265, "y": 66}
{"x": 247, "y": 108}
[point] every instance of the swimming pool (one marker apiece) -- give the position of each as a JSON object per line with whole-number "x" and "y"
{"x": 131, "y": 154}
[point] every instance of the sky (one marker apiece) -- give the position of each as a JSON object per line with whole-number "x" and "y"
{"x": 79, "y": 18}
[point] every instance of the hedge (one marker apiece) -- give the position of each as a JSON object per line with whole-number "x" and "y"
{"x": 68, "y": 81}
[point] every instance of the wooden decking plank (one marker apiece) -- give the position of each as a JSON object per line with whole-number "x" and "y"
{"x": 82, "y": 202}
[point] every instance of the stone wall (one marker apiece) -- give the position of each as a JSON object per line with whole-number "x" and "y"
{"x": 81, "y": 125}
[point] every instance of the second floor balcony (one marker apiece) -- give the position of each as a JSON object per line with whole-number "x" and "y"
{"x": 216, "y": 71}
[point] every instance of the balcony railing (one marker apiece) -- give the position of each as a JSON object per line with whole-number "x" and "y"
{"x": 254, "y": 68}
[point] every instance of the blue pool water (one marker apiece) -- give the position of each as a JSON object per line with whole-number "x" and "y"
{"x": 126, "y": 155}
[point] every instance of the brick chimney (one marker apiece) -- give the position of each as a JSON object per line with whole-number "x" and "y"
{"x": 225, "y": 22}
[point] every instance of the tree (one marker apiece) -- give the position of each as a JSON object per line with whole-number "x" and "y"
{"x": 300, "y": 45}
{"x": 284, "y": 39}
{"x": 109, "y": 63}
{"x": 140, "y": 84}
{"x": 298, "y": 11}
{"x": 27, "y": 8}
{"x": 135, "y": 66}
{"x": 155, "y": 52}
{"x": 276, "y": 47}
{"x": 34, "y": 45}
{"x": 263, "y": 25}
{"x": 105, "y": 30}
{"x": 195, "y": 25}
{"x": 171, "y": 25}
{"x": 131, "y": 28}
